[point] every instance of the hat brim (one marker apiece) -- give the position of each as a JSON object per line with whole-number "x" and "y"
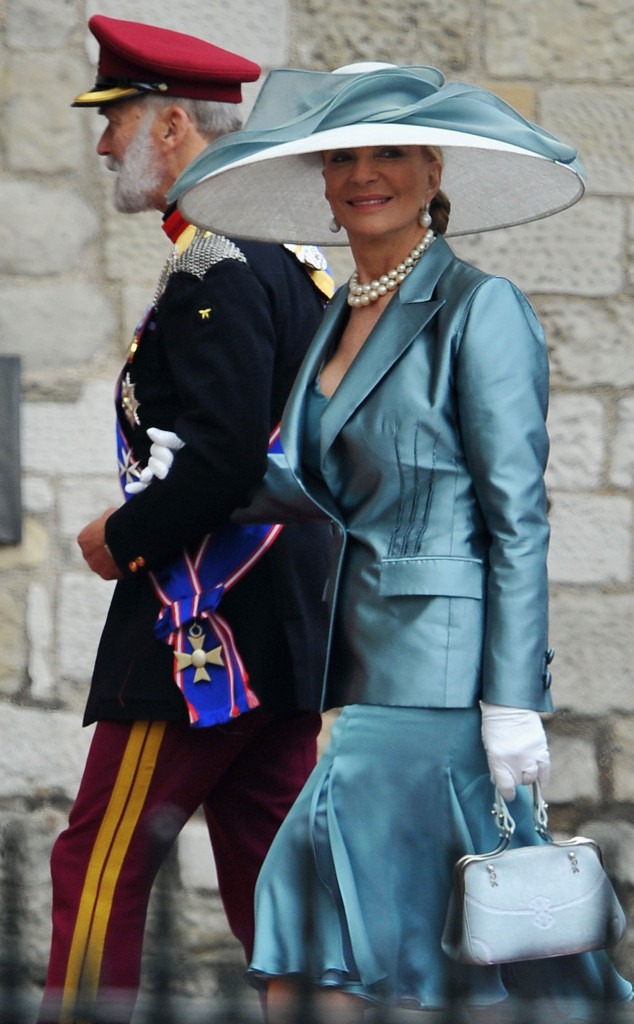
{"x": 99, "y": 97}
{"x": 277, "y": 194}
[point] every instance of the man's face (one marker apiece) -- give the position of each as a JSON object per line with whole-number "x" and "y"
{"x": 128, "y": 146}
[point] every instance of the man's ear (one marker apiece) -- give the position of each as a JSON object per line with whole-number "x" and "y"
{"x": 175, "y": 125}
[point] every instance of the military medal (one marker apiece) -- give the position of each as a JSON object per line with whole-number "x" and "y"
{"x": 199, "y": 656}
{"x": 129, "y": 401}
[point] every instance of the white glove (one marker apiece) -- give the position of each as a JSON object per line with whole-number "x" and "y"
{"x": 165, "y": 443}
{"x": 516, "y": 747}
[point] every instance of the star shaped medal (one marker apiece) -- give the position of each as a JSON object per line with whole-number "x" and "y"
{"x": 129, "y": 401}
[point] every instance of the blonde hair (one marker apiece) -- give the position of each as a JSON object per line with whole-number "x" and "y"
{"x": 440, "y": 206}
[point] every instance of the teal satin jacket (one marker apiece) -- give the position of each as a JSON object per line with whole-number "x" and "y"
{"x": 432, "y": 458}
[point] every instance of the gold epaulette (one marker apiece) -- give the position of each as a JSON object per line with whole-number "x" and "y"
{"x": 317, "y": 266}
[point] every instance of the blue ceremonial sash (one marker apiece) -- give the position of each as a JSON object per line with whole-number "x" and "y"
{"x": 208, "y": 669}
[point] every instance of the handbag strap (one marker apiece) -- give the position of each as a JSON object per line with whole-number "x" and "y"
{"x": 505, "y": 823}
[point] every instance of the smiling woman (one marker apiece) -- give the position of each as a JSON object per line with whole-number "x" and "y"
{"x": 379, "y": 193}
{"x": 417, "y": 425}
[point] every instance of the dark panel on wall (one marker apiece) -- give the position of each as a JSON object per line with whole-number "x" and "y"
{"x": 10, "y": 489}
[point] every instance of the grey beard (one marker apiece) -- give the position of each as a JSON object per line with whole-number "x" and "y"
{"x": 137, "y": 174}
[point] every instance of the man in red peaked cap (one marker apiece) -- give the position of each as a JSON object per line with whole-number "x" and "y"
{"x": 208, "y": 673}
{"x": 137, "y": 59}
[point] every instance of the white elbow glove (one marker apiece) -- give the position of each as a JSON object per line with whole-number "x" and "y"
{"x": 516, "y": 747}
{"x": 165, "y": 443}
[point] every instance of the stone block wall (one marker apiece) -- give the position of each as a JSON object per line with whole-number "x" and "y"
{"x": 75, "y": 276}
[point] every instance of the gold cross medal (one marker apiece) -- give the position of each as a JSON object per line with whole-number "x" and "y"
{"x": 209, "y": 672}
{"x": 199, "y": 657}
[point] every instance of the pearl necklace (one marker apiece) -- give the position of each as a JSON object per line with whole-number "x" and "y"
{"x": 364, "y": 294}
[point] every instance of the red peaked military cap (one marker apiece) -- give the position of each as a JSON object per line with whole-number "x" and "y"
{"x": 135, "y": 59}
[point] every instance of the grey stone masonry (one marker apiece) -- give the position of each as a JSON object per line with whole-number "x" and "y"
{"x": 44, "y": 229}
{"x": 575, "y": 253}
{"x": 75, "y": 277}
{"x": 567, "y": 41}
{"x": 574, "y": 113}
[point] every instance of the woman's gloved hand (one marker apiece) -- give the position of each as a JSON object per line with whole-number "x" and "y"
{"x": 516, "y": 747}
{"x": 165, "y": 443}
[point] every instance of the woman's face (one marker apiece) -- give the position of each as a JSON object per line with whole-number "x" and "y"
{"x": 379, "y": 189}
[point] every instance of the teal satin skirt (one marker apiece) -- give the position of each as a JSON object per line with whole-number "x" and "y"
{"x": 355, "y": 888}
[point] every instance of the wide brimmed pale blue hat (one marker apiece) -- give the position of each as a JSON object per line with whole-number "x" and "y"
{"x": 265, "y": 182}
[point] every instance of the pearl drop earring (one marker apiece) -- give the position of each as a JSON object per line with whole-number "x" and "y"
{"x": 334, "y": 225}
{"x": 424, "y": 217}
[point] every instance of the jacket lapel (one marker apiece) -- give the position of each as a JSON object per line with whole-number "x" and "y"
{"x": 408, "y": 313}
{"x": 292, "y": 427}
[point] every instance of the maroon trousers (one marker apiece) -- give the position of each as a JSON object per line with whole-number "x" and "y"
{"x": 141, "y": 783}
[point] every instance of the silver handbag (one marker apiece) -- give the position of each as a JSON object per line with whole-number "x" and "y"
{"x": 532, "y": 902}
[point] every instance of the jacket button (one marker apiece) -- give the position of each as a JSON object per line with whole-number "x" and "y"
{"x": 550, "y": 654}
{"x": 547, "y": 680}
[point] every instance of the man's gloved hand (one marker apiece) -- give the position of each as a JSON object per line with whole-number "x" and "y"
{"x": 516, "y": 747}
{"x": 165, "y": 443}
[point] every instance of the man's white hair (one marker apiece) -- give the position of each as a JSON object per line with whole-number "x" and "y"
{"x": 211, "y": 117}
